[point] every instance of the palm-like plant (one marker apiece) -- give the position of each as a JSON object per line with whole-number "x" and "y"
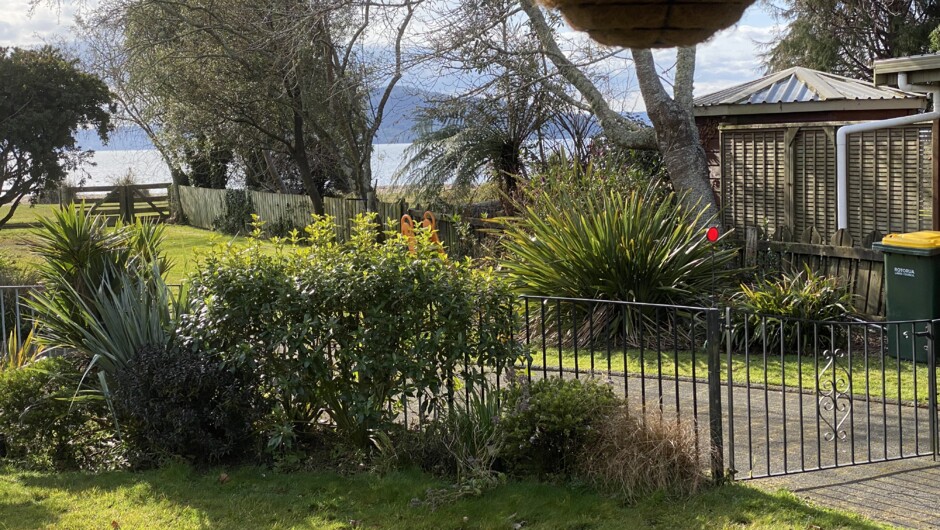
{"x": 640, "y": 246}
{"x": 465, "y": 140}
{"x": 105, "y": 295}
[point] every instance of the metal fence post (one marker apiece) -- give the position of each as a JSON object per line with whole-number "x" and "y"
{"x": 932, "y": 388}
{"x": 713, "y": 323}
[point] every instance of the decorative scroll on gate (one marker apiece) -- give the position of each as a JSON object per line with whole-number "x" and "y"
{"x": 834, "y": 395}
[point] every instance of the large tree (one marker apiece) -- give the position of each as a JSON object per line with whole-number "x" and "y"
{"x": 673, "y": 133}
{"x": 844, "y": 37}
{"x": 269, "y": 80}
{"x": 44, "y": 99}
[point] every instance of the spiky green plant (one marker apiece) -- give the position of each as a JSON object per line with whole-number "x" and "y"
{"x": 780, "y": 312}
{"x": 20, "y": 353}
{"x": 639, "y": 247}
{"x": 83, "y": 262}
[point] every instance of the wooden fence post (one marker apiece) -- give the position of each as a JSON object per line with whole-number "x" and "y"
{"x": 750, "y": 246}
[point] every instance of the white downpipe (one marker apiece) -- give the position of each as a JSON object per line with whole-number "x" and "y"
{"x": 841, "y": 162}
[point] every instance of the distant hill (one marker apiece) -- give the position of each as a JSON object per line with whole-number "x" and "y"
{"x": 401, "y": 113}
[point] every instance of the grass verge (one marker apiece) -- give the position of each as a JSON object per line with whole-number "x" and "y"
{"x": 179, "y": 498}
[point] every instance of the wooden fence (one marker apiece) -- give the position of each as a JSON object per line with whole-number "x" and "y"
{"x": 860, "y": 267}
{"x": 202, "y": 207}
{"x": 149, "y": 202}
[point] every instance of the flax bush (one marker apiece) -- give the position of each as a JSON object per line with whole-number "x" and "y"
{"x": 636, "y": 246}
{"x": 640, "y": 246}
{"x": 340, "y": 332}
{"x": 780, "y": 312}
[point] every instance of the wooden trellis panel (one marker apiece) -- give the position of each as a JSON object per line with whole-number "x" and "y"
{"x": 753, "y": 178}
{"x": 814, "y": 180}
{"x": 889, "y": 176}
{"x": 786, "y": 176}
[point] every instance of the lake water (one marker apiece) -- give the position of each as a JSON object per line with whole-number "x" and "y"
{"x": 147, "y": 167}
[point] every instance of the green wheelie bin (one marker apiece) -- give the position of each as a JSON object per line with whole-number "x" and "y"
{"x": 912, "y": 289}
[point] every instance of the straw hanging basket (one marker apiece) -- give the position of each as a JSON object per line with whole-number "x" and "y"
{"x": 650, "y": 23}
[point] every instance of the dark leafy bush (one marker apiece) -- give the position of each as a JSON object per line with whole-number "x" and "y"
{"x": 782, "y": 311}
{"x": 238, "y": 213}
{"x": 341, "y": 331}
{"x": 44, "y": 428}
{"x": 634, "y": 456}
{"x": 547, "y": 424}
{"x": 175, "y": 403}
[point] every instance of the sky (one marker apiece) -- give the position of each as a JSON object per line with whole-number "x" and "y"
{"x": 729, "y": 58}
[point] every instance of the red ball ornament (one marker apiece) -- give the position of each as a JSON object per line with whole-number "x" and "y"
{"x": 712, "y": 234}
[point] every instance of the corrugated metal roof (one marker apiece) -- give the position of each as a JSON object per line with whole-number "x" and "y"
{"x": 800, "y": 85}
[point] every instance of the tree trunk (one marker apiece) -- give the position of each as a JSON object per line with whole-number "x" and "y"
{"x": 676, "y": 133}
{"x": 299, "y": 154}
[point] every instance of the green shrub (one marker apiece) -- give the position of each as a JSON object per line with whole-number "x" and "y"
{"x": 781, "y": 312}
{"x": 42, "y": 427}
{"x": 173, "y": 402}
{"x": 547, "y": 424}
{"x": 238, "y": 213}
{"x": 16, "y": 316}
{"x": 341, "y": 331}
{"x": 632, "y": 456}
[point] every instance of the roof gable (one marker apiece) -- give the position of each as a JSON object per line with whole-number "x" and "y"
{"x": 799, "y": 85}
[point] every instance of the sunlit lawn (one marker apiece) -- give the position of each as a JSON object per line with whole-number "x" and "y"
{"x": 794, "y": 371}
{"x": 179, "y": 498}
{"x": 184, "y": 245}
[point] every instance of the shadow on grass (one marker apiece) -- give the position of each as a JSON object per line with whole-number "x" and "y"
{"x": 177, "y": 497}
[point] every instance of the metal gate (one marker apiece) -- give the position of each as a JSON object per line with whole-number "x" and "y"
{"x": 765, "y": 395}
{"x": 804, "y": 395}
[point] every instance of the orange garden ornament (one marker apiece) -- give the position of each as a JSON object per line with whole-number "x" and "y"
{"x": 650, "y": 23}
{"x": 408, "y": 230}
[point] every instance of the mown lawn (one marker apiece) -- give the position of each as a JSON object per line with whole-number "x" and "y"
{"x": 27, "y": 213}
{"x": 794, "y": 371}
{"x": 184, "y": 245}
{"x": 178, "y": 498}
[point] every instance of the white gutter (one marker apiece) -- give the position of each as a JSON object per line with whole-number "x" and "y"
{"x": 841, "y": 163}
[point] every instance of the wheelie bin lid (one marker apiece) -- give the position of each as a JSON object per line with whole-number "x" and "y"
{"x": 924, "y": 242}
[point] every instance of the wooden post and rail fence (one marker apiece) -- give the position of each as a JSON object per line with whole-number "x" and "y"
{"x": 150, "y": 202}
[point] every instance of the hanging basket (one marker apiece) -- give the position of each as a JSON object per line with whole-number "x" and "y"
{"x": 650, "y": 23}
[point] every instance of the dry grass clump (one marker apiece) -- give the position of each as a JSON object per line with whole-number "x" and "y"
{"x": 633, "y": 458}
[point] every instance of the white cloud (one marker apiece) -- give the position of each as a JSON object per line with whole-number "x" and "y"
{"x": 23, "y": 25}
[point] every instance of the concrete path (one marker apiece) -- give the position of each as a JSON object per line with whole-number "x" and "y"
{"x": 905, "y": 493}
